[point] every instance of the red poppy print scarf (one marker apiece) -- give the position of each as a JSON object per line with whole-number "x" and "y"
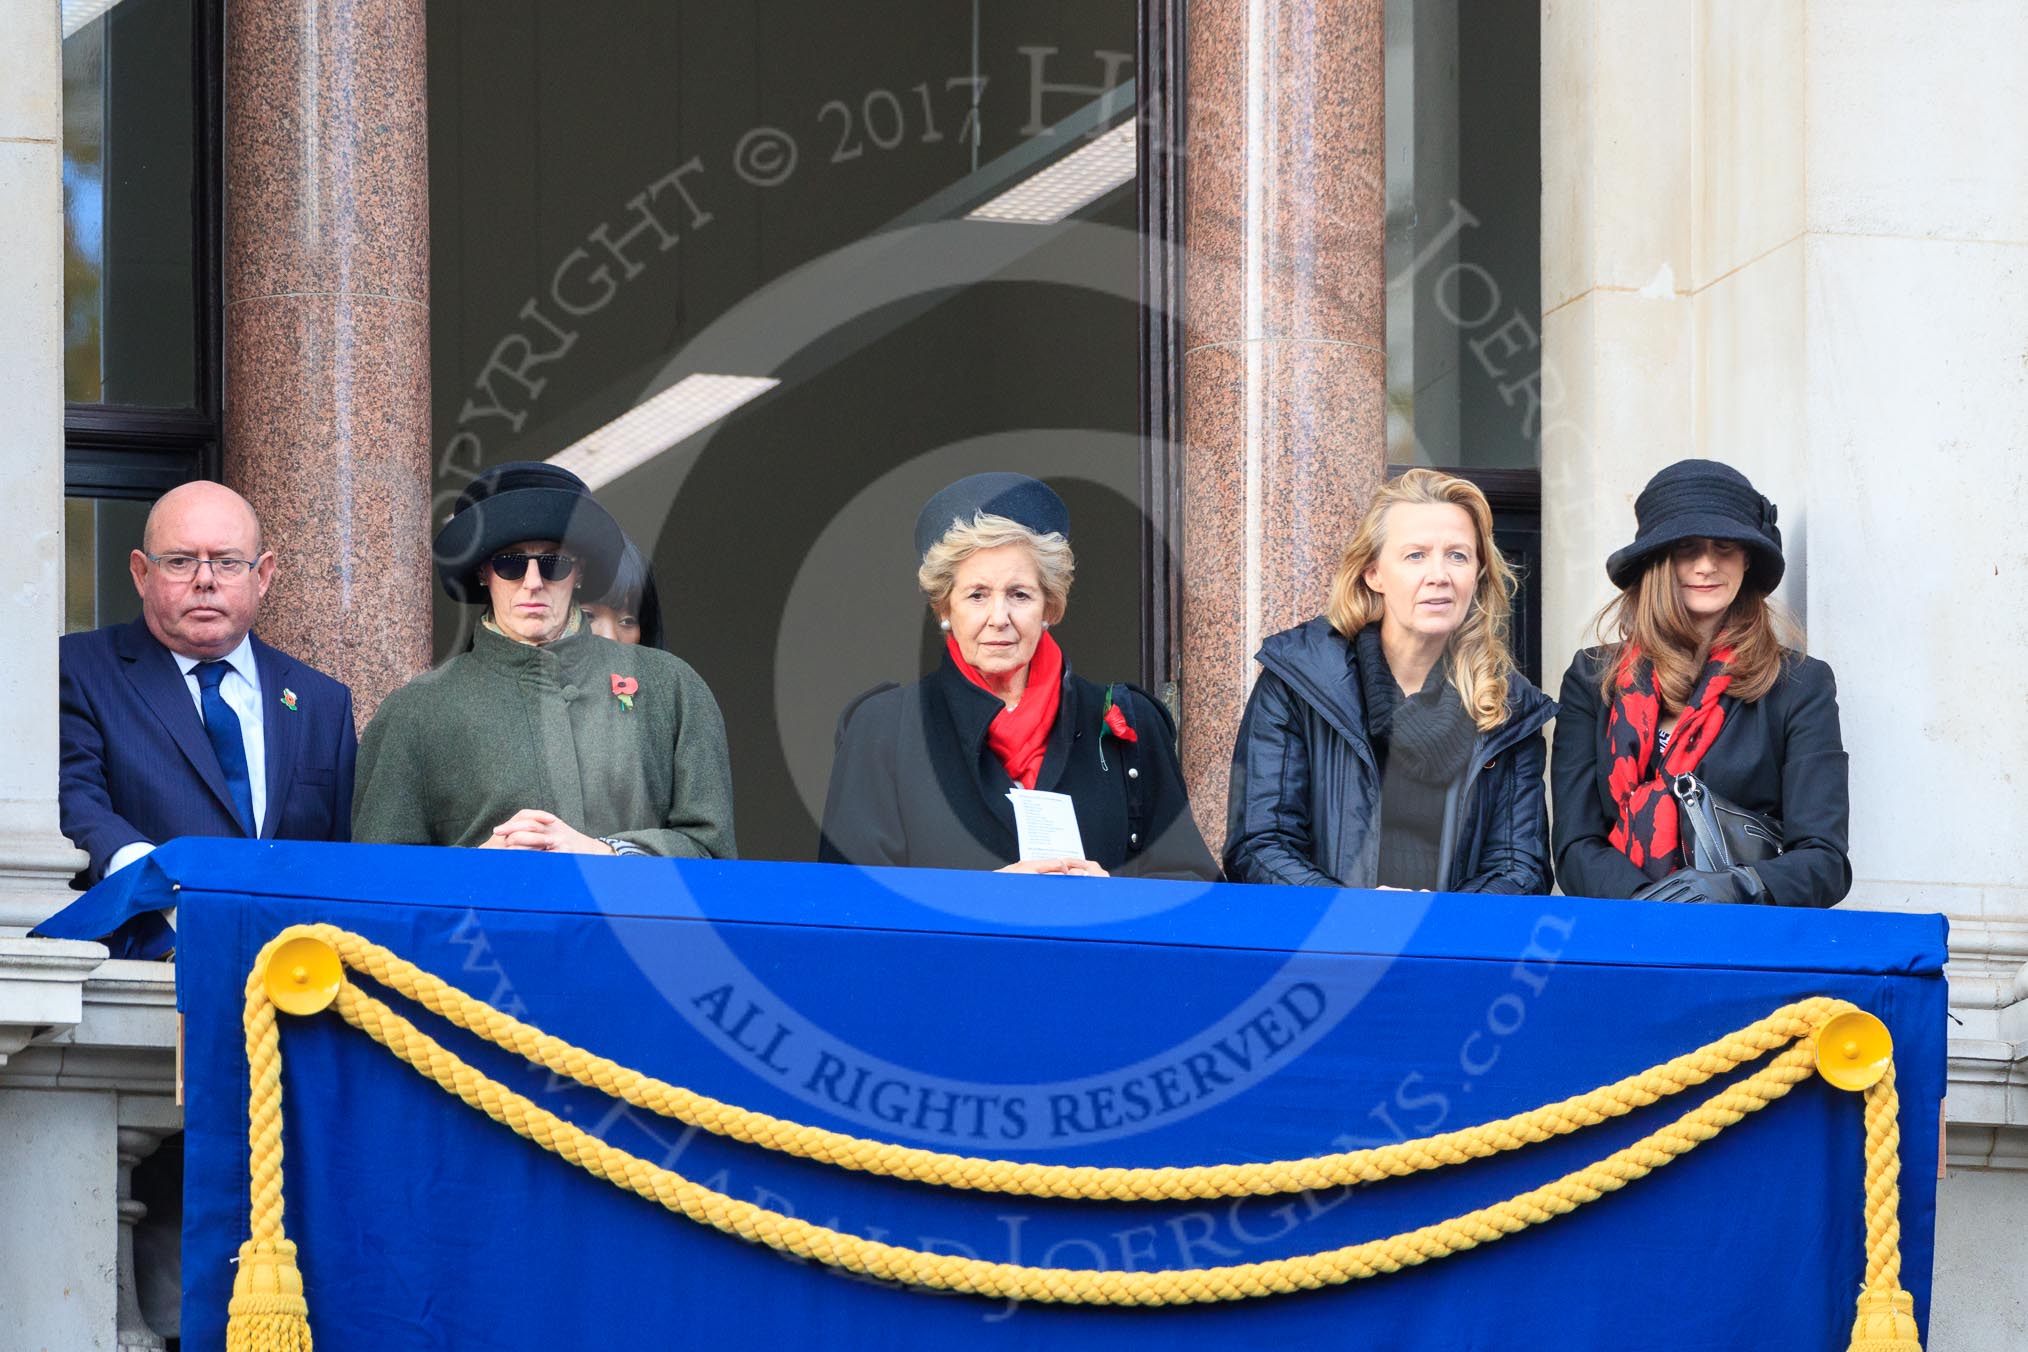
{"x": 1648, "y": 830}
{"x": 1019, "y": 736}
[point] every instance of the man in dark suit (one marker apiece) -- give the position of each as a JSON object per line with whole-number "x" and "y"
{"x": 182, "y": 723}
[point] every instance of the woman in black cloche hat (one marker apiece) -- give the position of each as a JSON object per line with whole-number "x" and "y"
{"x": 544, "y": 736}
{"x": 1693, "y": 689}
{"x": 924, "y": 772}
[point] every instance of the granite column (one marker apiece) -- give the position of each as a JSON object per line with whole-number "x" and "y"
{"x": 327, "y": 326}
{"x": 1285, "y": 344}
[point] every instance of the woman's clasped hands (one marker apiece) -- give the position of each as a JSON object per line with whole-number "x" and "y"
{"x": 1069, "y": 868}
{"x": 533, "y": 829}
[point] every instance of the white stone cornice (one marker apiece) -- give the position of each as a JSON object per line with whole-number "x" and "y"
{"x": 1988, "y": 946}
{"x": 42, "y": 989}
{"x": 128, "y": 1004}
{"x": 1986, "y": 1103}
{"x": 1987, "y": 1099}
{"x": 1981, "y": 1147}
{"x": 71, "y": 1019}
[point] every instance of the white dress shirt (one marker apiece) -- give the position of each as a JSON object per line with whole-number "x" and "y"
{"x": 241, "y": 690}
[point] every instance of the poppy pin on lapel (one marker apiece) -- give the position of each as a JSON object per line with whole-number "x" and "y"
{"x": 289, "y": 700}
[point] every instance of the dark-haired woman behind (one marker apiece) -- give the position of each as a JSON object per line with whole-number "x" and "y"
{"x": 629, "y": 611}
{"x": 1694, "y": 679}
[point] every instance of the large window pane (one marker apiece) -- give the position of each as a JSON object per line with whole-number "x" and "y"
{"x": 129, "y": 174}
{"x": 1464, "y": 235}
{"x": 631, "y": 197}
{"x": 98, "y": 536}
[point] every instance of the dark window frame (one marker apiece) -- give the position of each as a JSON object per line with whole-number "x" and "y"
{"x": 1159, "y": 179}
{"x": 119, "y": 451}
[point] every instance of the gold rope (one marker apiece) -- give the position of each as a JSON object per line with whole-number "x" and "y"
{"x": 1885, "y": 1321}
{"x": 1886, "y": 1318}
{"x": 1199, "y": 1182}
{"x": 268, "y": 1312}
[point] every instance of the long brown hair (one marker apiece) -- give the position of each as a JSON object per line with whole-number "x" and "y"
{"x": 1480, "y": 661}
{"x": 1650, "y": 615}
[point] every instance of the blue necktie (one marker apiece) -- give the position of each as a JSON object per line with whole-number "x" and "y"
{"x": 221, "y": 724}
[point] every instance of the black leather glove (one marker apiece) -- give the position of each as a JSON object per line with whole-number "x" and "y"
{"x": 1735, "y": 886}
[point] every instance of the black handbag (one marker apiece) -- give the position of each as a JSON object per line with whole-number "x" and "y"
{"x": 1719, "y": 834}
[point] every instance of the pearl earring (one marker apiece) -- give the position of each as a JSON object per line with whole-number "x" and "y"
{"x": 1045, "y": 624}
{"x": 944, "y": 625}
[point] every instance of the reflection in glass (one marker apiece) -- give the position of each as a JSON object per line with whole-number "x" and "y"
{"x": 84, "y": 224}
{"x": 769, "y": 275}
{"x": 98, "y": 536}
{"x": 129, "y": 198}
{"x": 1464, "y": 190}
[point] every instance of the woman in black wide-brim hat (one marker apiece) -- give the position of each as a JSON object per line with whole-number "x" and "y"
{"x": 923, "y": 771}
{"x": 1693, "y": 679}
{"x": 544, "y": 736}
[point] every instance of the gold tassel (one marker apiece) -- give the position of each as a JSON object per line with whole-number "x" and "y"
{"x": 1886, "y": 1322}
{"x": 268, "y": 1312}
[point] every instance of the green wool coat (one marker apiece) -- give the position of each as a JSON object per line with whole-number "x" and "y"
{"x": 507, "y": 726}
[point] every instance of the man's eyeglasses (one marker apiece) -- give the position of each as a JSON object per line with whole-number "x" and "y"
{"x": 183, "y": 567}
{"x": 514, "y": 567}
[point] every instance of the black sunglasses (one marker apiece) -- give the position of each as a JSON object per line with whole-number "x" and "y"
{"x": 514, "y": 567}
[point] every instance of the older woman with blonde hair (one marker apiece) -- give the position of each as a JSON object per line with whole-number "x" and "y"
{"x": 925, "y": 773}
{"x": 1390, "y": 742}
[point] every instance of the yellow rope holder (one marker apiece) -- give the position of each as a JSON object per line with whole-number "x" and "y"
{"x": 301, "y": 971}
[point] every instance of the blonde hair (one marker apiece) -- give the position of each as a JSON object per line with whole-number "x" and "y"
{"x": 1054, "y": 563}
{"x": 1480, "y": 661}
{"x": 1649, "y": 614}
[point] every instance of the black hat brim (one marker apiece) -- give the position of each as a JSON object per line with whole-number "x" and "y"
{"x": 574, "y": 520}
{"x": 1764, "y": 572}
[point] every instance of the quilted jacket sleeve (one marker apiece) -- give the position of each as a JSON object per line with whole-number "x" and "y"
{"x": 1268, "y": 836}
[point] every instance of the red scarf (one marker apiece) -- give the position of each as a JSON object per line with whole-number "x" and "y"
{"x": 1648, "y": 831}
{"x": 1019, "y": 736}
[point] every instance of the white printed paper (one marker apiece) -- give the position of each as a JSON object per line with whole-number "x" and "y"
{"x": 1046, "y": 824}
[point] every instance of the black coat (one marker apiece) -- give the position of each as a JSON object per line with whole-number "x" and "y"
{"x": 1304, "y": 801}
{"x": 915, "y": 785}
{"x": 1781, "y": 756}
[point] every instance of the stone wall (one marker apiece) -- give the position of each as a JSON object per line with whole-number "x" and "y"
{"x": 1795, "y": 237}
